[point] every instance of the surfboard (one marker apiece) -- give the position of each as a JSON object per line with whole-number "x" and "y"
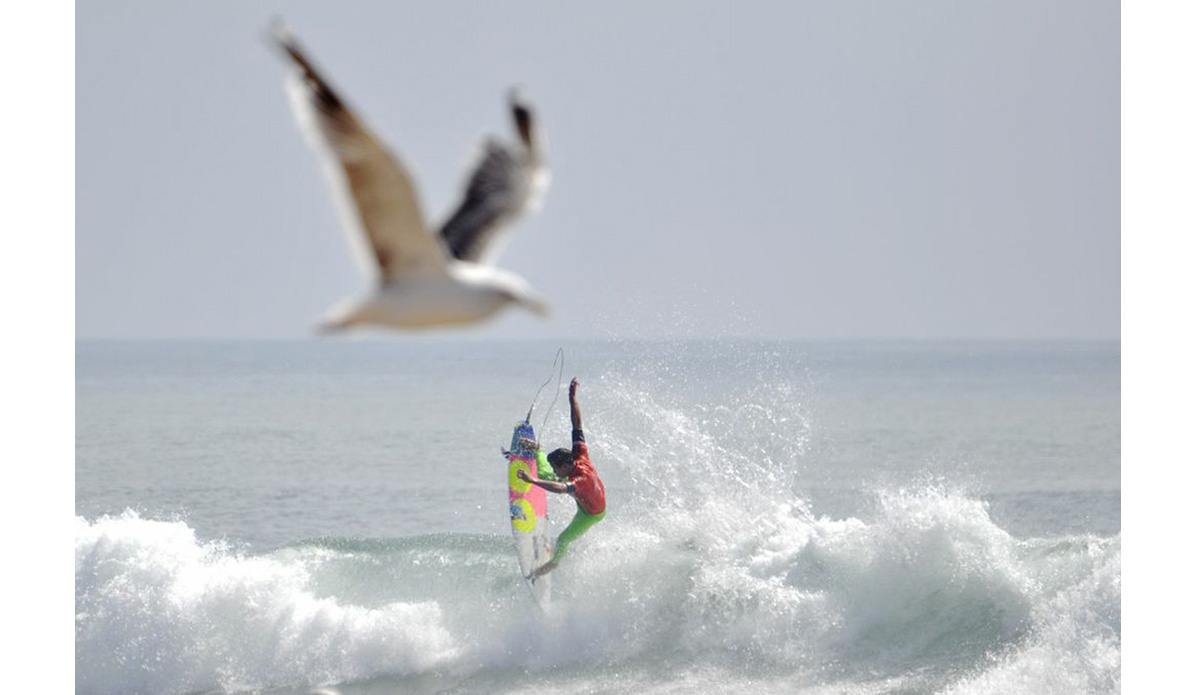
{"x": 527, "y": 511}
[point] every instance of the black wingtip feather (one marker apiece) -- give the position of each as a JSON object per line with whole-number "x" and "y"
{"x": 291, "y": 47}
{"x": 522, "y": 113}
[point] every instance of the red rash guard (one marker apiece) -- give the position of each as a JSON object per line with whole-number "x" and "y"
{"x": 589, "y": 490}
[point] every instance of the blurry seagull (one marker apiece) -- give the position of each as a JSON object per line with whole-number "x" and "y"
{"x": 423, "y": 279}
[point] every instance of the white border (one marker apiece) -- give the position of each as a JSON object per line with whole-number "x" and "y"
{"x": 1160, "y": 313}
{"x": 37, "y": 220}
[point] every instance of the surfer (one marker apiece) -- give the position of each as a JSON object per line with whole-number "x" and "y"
{"x": 582, "y": 483}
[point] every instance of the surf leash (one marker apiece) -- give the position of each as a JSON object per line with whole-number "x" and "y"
{"x": 560, "y": 362}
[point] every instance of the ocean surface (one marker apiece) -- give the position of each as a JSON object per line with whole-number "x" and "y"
{"x": 784, "y": 517}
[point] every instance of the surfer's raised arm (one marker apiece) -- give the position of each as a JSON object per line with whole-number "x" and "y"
{"x": 562, "y": 461}
{"x": 576, "y": 418}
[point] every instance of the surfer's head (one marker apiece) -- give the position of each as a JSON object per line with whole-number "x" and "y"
{"x": 561, "y": 460}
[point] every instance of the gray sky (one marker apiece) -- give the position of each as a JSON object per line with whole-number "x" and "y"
{"x": 802, "y": 170}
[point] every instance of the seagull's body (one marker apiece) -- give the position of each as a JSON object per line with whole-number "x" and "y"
{"x": 424, "y": 280}
{"x": 466, "y": 293}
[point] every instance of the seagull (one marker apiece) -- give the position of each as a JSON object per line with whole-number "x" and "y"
{"x": 422, "y": 279}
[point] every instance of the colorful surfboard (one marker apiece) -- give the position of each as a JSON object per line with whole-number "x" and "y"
{"x": 527, "y": 509}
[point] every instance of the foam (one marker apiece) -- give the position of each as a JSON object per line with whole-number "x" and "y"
{"x": 928, "y": 585}
{"x": 159, "y": 612}
{"x": 1076, "y": 647}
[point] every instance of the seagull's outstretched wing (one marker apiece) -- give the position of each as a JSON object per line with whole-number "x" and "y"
{"x": 377, "y": 196}
{"x": 505, "y": 182}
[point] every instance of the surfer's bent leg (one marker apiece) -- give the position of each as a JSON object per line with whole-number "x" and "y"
{"x": 578, "y": 526}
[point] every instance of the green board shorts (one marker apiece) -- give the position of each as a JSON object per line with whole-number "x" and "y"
{"x": 578, "y": 526}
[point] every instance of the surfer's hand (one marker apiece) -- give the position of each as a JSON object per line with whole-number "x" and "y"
{"x": 574, "y": 385}
{"x": 524, "y": 476}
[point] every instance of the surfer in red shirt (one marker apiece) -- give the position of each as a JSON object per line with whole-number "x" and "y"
{"x": 582, "y": 482}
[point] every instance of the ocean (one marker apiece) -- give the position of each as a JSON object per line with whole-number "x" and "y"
{"x": 784, "y": 517}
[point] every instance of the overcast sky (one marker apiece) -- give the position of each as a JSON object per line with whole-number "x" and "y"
{"x": 801, "y": 170}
